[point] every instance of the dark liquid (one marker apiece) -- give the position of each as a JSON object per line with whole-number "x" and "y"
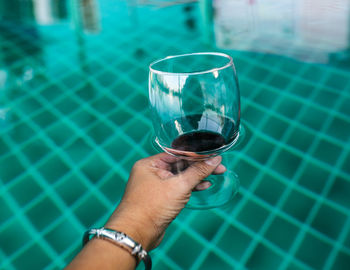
{"x": 198, "y": 141}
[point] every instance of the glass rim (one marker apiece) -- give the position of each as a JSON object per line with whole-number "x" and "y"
{"x": 230, "y": 63}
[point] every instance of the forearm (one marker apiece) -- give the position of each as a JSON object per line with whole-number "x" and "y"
{"x": 102, "y": 254}
{"x": 153, "y": 198}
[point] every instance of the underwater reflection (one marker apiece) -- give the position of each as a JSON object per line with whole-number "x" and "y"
{"x": 309, "y": 30}
{"x": 83, "y": 14}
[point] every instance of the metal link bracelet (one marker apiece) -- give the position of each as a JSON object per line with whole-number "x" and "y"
{"x": 122, "y": 240}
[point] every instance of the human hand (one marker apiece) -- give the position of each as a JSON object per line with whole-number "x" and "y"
{"x": 158, "y": 189}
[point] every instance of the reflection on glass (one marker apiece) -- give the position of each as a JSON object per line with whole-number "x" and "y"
{"x": 305, "y": 29}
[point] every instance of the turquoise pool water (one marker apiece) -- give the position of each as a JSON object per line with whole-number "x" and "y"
{"x": 74, "y": 118}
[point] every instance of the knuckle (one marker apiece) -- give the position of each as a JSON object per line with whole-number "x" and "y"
{"x": 201, "y": 170}
{"x": 138, "y": 164}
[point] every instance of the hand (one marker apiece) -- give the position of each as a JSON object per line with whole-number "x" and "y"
{"x": 158, "y": 189}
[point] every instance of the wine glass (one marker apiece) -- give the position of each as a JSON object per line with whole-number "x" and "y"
{"x": 195, "y": 107}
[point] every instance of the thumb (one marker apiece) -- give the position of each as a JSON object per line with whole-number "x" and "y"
{"x": 199, "y": 170}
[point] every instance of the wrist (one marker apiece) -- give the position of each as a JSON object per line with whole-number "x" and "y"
{"x": 123, "y": 241}
{"x": 136, "y": 227}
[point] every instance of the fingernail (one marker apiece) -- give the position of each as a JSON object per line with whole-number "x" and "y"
{"x": 213, "y": 161}
{"x": 203, "y": 185}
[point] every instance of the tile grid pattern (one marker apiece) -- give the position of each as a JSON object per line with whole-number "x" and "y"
{"x": 74, "y": 132}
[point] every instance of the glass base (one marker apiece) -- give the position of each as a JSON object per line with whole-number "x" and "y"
{"x": 223, "y": 188}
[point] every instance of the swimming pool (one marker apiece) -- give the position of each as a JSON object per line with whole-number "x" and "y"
{"x": 74, "y": 118}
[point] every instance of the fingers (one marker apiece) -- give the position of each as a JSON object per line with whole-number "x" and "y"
{"x": 181, "y": 165}
{"x": 160, "y": 161}
{"x": 220, "y": 169}
{"x": 206, "y": 184}
{"x": 199, "y": 170}
{"x": 167, "y": 158}
{"x": 203, "y": 185}
{"x": 169, "y": 165}
{"x": 175, "y": 164}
